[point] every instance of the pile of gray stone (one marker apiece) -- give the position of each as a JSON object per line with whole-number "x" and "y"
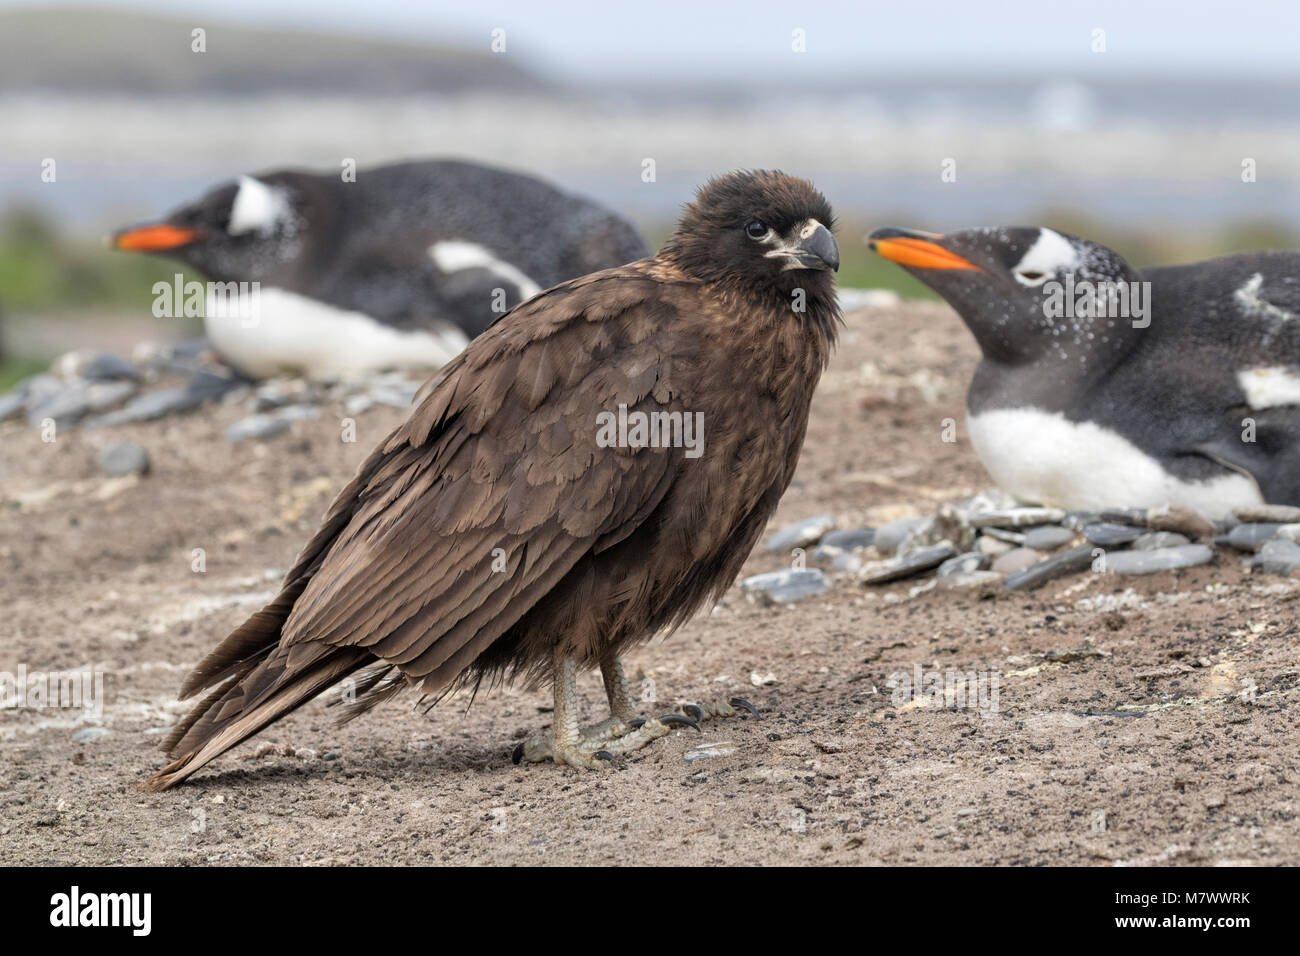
{"x": 993, "y": 543}
{"x": 100, "y": 390}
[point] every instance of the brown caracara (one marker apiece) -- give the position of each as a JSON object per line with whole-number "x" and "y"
{"x": 590, "y": 471}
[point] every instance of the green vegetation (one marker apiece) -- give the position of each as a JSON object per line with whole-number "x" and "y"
{"x": 42, "y": 272}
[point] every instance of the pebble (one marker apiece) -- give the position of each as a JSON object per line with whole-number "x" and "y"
{"x": 1110, "y": 535}
{"x": 1182, "y": 519}
{"x": 76, "y": 399}
{"x": 1136, "y": 517}
{"x": 964, "y": 564}
{"x": 721, "y": 748}
{"x": 1277, "y": 557}
{"x": 357, "y": 404}
{"x": 1078, "y": 558}
{"x": 987, "y": 544}
{"x": 850, "y": 539}
{"x": 801, "y": 533}
{"x": 88, "y": 735}
{"x": 1013, "y": 538}
{"x": 1276, "y": 514}
{"x": 107, "y": 367}
{"x": 123, "y": 458}
{"x": 1159, "y": 559}
{"x": 260, "y": 427}
{"x": 786, "y": 587}
{"x": 1016, "y": 517}
{"x": 970, "y": 579}
{"x": 1250, "y": 537}
{"x": 1152, "y": 540}
{"x": 1048, "y": 537}
{"x": 881, "y": 572}
{"x": 1017, "y": 559}
{"x": 892, "y": 534}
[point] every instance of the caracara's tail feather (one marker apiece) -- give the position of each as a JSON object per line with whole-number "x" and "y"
{"x": 216, "y": 725}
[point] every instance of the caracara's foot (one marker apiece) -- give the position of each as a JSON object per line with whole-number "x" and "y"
{"x": 597, "y": 746}
{"x": 718, "y": 707}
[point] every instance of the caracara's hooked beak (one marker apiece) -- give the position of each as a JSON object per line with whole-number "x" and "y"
{"x": 153, "y": 237}
{"x": 811, "y": 247}
{"x": 916, "y": 250}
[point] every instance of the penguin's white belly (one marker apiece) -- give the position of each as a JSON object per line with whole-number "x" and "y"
{"x": 286, "y": 332}
{"x": 1043, "y": 457}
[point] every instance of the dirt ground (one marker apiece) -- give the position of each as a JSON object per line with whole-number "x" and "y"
{"x": 1137, "y": 720}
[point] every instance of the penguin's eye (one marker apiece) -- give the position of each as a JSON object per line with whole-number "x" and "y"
{"x": 756, "y": 229}
{"x": 1030, "y": 277}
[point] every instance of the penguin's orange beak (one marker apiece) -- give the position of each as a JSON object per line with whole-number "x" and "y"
{"x": 916, "y": 250}
{"x": 155, "y": 237}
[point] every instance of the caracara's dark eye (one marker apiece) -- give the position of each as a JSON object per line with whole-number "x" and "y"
{"x": 756, "y": 230}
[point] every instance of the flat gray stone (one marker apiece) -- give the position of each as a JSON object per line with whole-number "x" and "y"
{"x": 1108, "y": 534}
{"x": 1048, "y": 537}
{"x": 1013, "y": 538}
{"x": 1160, "y": 559}
{"x": 1251, "y": 537}
{"x": 850, "y": 539}
{"x": 106, "y": 367}
{"x": 710, "y": 751}
{"x": 800, "y": 534}
{"x": 1016, "y": 517}
{"x": 123, "y": 458}
{"x": 882, "y": 572}
{"x": 1136, "y": 517}
{"x": 786, "y": 587}
{"x": 88, "y": 735}
{"x": 1277, "y": 557}
{"x": 1078, "y": 558}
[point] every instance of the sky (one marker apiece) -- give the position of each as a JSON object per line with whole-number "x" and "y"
{"x": 739, "y": 42}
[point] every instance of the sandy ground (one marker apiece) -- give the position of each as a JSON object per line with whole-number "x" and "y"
{"x": 99, "y": 573}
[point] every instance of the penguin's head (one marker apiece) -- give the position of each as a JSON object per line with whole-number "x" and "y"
{"x": 1022, "y": 290}
{"x": 244, "y": 230}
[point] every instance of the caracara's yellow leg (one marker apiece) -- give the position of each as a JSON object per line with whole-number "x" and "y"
{"x": 593, "y": 747}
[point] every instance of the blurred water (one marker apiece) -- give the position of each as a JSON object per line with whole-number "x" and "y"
{"x": 1057, "y": 146}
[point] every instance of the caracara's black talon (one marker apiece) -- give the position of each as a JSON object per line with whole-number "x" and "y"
{"x": 603, "y": 755}
{"x": 636, "y": 723}
{"x": 694, "y": 711}
{"x": 741, "y": 702}
{"x": 518, "y": 753}
{"x": 680, "y": 720}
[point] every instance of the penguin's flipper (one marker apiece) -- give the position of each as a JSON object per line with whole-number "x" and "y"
{"x": 1265, "y": 445}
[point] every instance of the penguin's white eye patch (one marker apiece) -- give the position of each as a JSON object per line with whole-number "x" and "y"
{"x": 1051, "y": 254}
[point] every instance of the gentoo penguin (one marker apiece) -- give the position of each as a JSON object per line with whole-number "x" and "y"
{"x": 1103, "y": 385}
{"x": 398, "y": 268}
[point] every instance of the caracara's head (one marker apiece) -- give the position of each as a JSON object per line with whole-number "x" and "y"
{"x": 768, "y": 232}
{"x": 1009, "y": 283}
{"x": 239, "y": 231}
